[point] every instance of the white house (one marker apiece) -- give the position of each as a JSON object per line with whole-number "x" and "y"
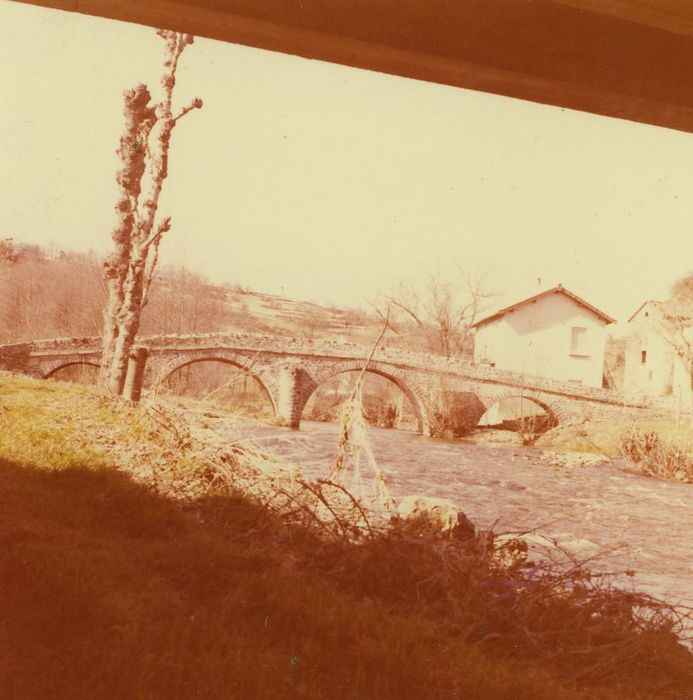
{"x": 554, "y": 334}
{"x": 652, "y": 365}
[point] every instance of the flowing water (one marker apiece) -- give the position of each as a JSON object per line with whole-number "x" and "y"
{"x": 588, "y": 509}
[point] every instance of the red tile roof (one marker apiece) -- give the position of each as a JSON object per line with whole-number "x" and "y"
{"x": 559, "y": 289}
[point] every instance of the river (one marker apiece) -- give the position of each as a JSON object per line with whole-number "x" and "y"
{"x": 590, "y": 510}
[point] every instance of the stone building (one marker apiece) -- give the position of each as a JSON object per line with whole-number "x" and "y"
{"x": 554, "y": 334}
{"x": 652, "y": 365}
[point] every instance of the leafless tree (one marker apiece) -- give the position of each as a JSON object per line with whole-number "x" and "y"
{"x": 129, "y": 269}
{"x": 63, "y": 295}
{"x": 442, "y": 310}
{"x": 183, "y": 302}
{"x": 42, "y": 296}
{"x": 312, "y": 322}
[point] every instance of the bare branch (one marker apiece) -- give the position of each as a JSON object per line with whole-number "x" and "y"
{"x": 162, "y": 228}
{"x": 444, "y": 309}
{"x": 407, "y": 309}
{"x": 155, "y": 241}
{"x": 195, "y": 104}
{"x": 383, "y": 330}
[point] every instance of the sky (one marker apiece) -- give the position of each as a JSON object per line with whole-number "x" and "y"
{"x": 330, "y": 184}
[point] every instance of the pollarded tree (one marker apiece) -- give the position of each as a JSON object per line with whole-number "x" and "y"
{"x": 129, "y": 269}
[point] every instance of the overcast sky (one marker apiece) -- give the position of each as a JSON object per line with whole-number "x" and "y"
{"x": 326, "y": 183}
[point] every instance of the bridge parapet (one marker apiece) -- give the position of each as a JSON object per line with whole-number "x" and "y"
{"x": 56, "y": 346}
{"x": 544, "y": 384}
{"x": 281, "y": 345}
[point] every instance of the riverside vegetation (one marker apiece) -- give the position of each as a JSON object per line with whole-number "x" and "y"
{"x": 142, "y": 559}
{"x": 659, "y": 450}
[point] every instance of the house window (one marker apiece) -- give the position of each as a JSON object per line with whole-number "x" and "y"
{"x": 578, "y": 337}
{"x": 643, "y": 357}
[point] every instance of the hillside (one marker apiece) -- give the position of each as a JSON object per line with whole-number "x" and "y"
{"x": 257, "y": 312}
{"x": 47, "y": 294}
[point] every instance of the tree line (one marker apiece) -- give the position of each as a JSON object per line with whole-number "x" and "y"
{"x": 54, "y": 294}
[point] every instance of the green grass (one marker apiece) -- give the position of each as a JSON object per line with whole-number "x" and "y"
{"x": 111, "y": 590}
{"x": 34, "y": 430}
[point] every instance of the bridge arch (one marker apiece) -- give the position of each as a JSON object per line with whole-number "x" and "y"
{"x": 412, "y": 392}
{"x": 551, "y": 410}
{"x": 224, "y": 356}
{"x": 48, "y": 369}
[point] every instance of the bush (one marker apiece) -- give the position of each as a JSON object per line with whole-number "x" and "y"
{"x": 657, "y": 457}
{"x": 455, "y": 414}
{"x": 381, "y": 413}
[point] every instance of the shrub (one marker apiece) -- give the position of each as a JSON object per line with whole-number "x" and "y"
{"x": 657, "y": 457}
{"x": 454, "y": 414}
{"x": 381, "y": 414}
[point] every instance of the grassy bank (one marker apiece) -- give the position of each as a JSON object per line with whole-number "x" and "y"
{"x": 147, "y": 581}
{"x": 604, "y": 438}
{"x": 660, "y": 450}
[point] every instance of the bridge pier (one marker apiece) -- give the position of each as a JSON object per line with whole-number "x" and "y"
{"x": 288, "y": 394}
{"x": 294, "y": 388}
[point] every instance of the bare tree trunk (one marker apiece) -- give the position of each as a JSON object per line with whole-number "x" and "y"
{"x": 139, "y": 120}
{"x": 129, "y": 269}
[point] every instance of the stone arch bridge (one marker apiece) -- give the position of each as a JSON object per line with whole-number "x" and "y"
{"x": 291, "y": 369}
